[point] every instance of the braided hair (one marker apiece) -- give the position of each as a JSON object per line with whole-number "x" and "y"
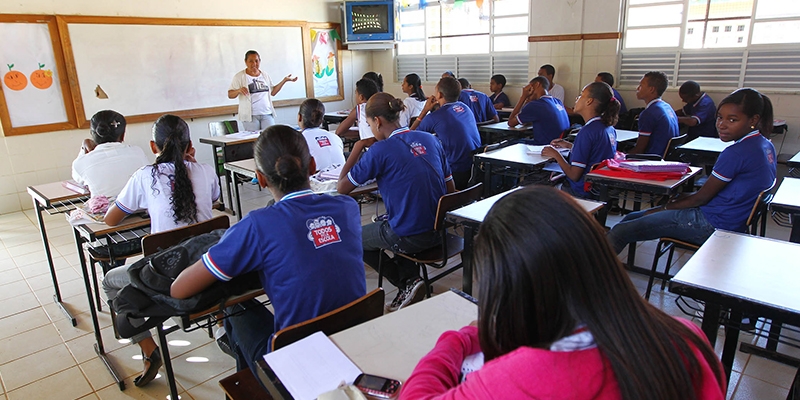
{"x": 171, "y": 136}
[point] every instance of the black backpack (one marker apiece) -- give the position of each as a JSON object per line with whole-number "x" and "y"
{"x": 628, "y": 120}
{"x": 148, "y": 294}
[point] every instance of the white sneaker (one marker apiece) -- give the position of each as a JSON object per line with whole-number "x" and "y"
{"x": 407, "y": 295}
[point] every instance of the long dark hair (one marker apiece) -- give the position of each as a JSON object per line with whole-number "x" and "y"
{"x": 172, "y": 138}
{"x": 384, "y": 105}
{"x": 375, "y": 77}
{"x": 282, "y": 156}
{"x": 416, "y": 83}
{"x": 752, "y": 103}
{"x": 537, "y": 286}
{"x": 606, "y": 108}
{"x": 313, "y": 112}
{"x": 107, "y": 126}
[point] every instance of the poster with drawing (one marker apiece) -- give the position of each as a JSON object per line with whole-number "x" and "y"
{"x": 30, "y": 77}
{"x": 324, "y": 62}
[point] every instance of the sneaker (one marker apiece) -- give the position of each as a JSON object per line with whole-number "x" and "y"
{"x": 223, "y": 342}
{"x": 407, "y": 295}
{"x": 382, "y": 217}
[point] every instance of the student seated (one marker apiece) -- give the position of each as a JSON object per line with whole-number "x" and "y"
{"x": 596, "y": 141}
{"x": 608, "y": 78}
{"x": 555, "y": 323}
{"x": 412, "y": 86}
{"x": 104, "y": 162}
{"x": 478, "y": 102}
{"x": 698, "y": 113}
{"x": 499, "y": 99}
{"x": 455, "y": 126}
{"x": 743, "y": 170}
{"x": 176, "y": 191}
{"x": 555, "y": 90}
{"x": 365, "y": 88}
{"x": 306, "y": 249}
{"x": 657, "y": 123}
{"x": 536, "y": 107}
{"x": 412, "y": 174}
{"x": 326, "y": 148}
{"x": 448, "y": 74}
{"x": 375, "y": 77}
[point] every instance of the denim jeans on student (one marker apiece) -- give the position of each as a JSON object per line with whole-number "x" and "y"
{"x": 113, "y": 282}
{"x": 398, "y": 271}
{"x": 249, "y": 326}
{"x": 258, "y": 123}
{"x": 689, "y": 225}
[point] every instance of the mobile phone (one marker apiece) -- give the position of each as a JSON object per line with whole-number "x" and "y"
{"x": 377, "y": 386}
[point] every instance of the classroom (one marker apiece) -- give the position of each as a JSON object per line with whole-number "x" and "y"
{"x": 48, "y": 349}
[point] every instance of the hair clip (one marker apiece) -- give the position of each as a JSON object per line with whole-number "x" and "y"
{"x": 115, "y": 124}
{"x": 613, "y": 99}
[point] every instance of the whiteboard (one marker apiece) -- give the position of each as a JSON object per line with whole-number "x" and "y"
{"x": 150, "y": 69}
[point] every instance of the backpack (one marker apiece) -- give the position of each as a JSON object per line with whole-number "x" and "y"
{"x": 628, "y": 120}
{"x": 148, "y": 294}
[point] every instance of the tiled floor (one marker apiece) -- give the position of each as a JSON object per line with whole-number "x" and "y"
{"x": 42, "y": 356}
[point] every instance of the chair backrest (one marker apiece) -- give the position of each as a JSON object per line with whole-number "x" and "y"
{"x": 454, "y": 200}
{"x": 758, "y": 210}
{"x": 162, "y": 240}
{"x": 673, "y": 143}
{"x": 222, "y": 128}
{"x": 647, "y": 157}
{"x": 347, "y": 316}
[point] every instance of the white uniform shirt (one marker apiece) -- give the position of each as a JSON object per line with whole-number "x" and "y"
{"x": 326, "y": 147}
{"x": 557, "y": 91}
{"x": 108, "y": 167}
{"x": 364, "y": 131}
{"x": 413, "y": 109}
{"x": 140, "y": 194}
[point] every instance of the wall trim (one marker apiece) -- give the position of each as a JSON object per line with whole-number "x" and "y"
{"x": 577, "y": 36}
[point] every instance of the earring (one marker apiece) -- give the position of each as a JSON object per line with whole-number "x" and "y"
{"x": 752, "y": 127}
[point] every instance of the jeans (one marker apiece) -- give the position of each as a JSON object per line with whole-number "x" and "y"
{"x": 689, "y": 225}
{"x": 113, "y": 282}
{"x": 249, "y": 326}
{"x": 399, "y": 271}
{"x": 258, "y": 123}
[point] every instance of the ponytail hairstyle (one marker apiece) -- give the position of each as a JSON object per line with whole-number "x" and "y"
{"x": 416, "y": 83}
{"x": 375, "y": 77}
{"x": 171, "y": 135}
{"x": 384, "y": 105}
{"x": 367, "y": 88}
{"x": 752, "y": 103}
{"x": 107, "y": 126}
{"x": 282, "y": 156}
{"x": 607, "y": 105}
{"x": 313, "y": 112}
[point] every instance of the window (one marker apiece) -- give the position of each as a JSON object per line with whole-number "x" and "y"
{"x": 728, "y": 28}
{"x": 740, "y": 28}
{"x": 689, "y": 31}
{"x": 715, "y": 29}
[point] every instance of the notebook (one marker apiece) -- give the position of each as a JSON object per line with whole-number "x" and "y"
{"x": 654, "y": 166}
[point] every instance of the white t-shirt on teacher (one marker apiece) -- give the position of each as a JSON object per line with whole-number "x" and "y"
{"x": 107, "y": 168}
{"x": 241, "y": 80}
{"x": 259, "y": 87}
{"x": 326, "y": 147}
{"x": 140, "y": 194}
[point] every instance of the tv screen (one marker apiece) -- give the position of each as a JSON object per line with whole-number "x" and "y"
{"x": 369, "y": 21}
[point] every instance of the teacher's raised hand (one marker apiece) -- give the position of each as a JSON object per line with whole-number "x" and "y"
{"x": 277, "y": 88}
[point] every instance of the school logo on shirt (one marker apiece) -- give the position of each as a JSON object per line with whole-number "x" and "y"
{"x": 323, "y": 141}
{"x": 457, "y": 108}
{"x": 323, "y": 231}
{"x": 418, "y": 149}
{"x": 473, "y": 98}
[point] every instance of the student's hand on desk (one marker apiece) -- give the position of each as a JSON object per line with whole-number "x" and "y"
{"x": 561, "y": 144}
{"x": 550, "y": 152}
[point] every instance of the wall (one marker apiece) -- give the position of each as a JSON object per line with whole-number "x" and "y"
{"x": 47, "y": 157}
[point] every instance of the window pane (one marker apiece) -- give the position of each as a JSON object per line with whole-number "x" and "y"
{"x": 412, "y": 17}
{"x": 654, "y": 37}
{"x": 694, "y": 35}
{"x": 511, "y": 43}
{"x": 777, "y": 9}
{"x": 432, "y": 13}
{"x": 697, "y": 9}
{"x": 776, "y": 32}
{"x": 412, "y": 32}
{"x": 434, "y": 46}
{"x": 722, "y": 33}
{"x": 465, "y": 45}
{"x": 510, "y": 7}
{"x": 656, "y": 15}
{"x": 511, "y": 25}
{"x": 635, "y": 2}
{"x": 730, "y": 9}
{"x": 407, "y": 3}
{"x": 411, "y": 47}
{"x": 465, "y": 18}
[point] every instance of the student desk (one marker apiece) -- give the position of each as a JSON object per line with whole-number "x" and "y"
{"x": 471, "y": 217}
{"x": 54, "y": 198}
{"x": 794, "y": 165}
{"x": 334, "y": 117}
{"x": 504, "y": 113}
{"x": 787, "y": 200}
{"x": 515, "y": 156}
{"x": 702, "y": 151}
{"x": 622, "y": 136}
{"x": 499, "y": 131}
{"x": 234, "y": 147}
{"x": 746, "y": 274}
{"x": 133, "y": 227}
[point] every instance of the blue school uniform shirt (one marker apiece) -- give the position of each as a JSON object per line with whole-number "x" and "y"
{"x": 411, "y": 169}
{"x": 480, "y": 104}
{"x": 617, "y": 96}
{"x": 547, "y": 116}
{"x": 595, "y": 142}
{"x": 748, "y": 166}
{"x": 501, "y": 98}
{"x": 705, "y": 112}
{"x": 455, "y": 126}
{"x": 306, "y": 249}
{"x": 658, "y": 122}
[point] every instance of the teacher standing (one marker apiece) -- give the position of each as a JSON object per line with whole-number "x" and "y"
{"x": 255, "y": 90}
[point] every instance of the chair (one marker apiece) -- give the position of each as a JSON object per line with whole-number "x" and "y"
{"x": 452, "y": 244}
{"x": 349, "y": 315}
{"x": 674, "y": 142}
{"x": 666, "y": 244}
{"x": 222, "y": 128}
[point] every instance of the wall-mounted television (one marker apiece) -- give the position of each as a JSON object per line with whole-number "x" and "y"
{"x": 370, "y": 21}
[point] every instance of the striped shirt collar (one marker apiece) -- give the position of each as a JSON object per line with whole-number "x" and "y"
{"x": 591, "y": 120}
{"x": 399, "y": 131}
{"x": 653, "y": 101}
{"x": 698, "y": 100}
{"x": 748, "y": 136}
{"x": 299, "y": 193}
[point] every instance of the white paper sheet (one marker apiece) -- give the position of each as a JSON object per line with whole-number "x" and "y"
{"x": 537, "y": 150}
{"x": 243, "y": 135}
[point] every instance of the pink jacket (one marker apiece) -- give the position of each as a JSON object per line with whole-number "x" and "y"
{"x": 525, "y": 373}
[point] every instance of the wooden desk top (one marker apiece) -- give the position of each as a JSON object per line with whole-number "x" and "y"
{"x": 755, "y": 269}
{"x": 476, "y": 212}
{"x": 392, "y": 345}
{"x": 788, "y": 195}
{"x": 49, "y": 193}
{"x": 707, "y": 144}
{"x": 668, "y": 184}
{"x": 99, "y": 229}
{"x": 795, "y": 160}
{"x": 503, "y": 126}
{"x": 230, "y": 140}
{"x": 517, "y": 154}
